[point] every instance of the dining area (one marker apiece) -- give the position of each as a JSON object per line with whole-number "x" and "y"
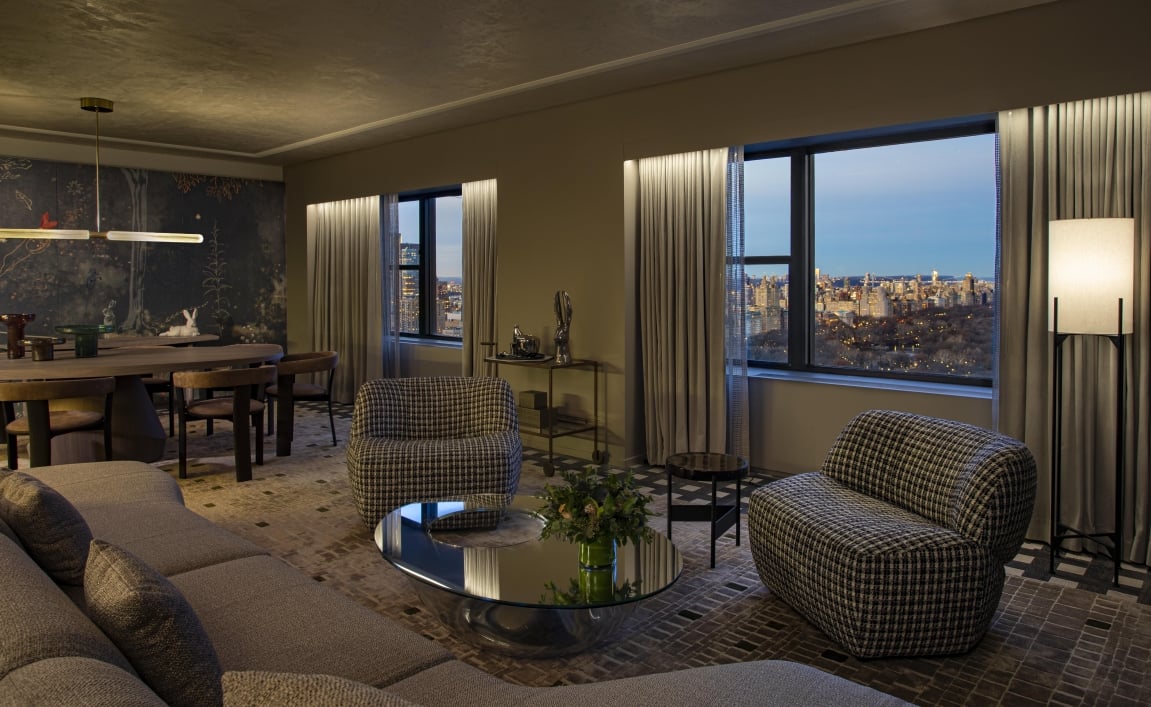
{"x": 77, "y": 406}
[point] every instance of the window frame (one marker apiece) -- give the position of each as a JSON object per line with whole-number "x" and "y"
{"x": 801, "y": 261}
{"x": 426, "y": 268}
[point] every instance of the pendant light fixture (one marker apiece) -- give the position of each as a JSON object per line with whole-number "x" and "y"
{"x": 98, "y": 106}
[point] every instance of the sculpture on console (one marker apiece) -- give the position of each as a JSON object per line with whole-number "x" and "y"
{"x": 563, "y": 305}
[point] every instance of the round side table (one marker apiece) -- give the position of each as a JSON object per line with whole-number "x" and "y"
{"x": 713, "y": 467}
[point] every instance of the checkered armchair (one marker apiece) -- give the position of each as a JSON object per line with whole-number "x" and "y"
{"x": 422, "y": 439}
{"x": 896, "y": 546}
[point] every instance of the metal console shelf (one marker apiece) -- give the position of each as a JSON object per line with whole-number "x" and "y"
{"x": 562, "y": 426}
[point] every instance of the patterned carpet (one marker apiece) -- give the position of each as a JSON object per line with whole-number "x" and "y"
{"x": 1068, "y": 639}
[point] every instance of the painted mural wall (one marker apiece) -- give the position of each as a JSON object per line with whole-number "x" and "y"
{"x": 234, "y": 282}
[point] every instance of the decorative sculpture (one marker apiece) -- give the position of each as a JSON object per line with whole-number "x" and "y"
{"x": 188, "y": 328}
{"x": 563, "y": 304}
{"x": 110, "y": 314}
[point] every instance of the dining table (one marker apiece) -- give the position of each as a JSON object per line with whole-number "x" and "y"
{"x": 136, "y": 429}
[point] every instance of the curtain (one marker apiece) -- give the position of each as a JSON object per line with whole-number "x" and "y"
{"x": 479, "y": 235}
{"x": 735, "y": 326}
{"x": 390, "y": 285}
{"x": 1084, "y": 159}
{"x": 345, "y": 295}
{"x": 683, "y": 257}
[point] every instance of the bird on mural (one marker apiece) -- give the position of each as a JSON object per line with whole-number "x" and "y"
{"x": 46, "y": 222}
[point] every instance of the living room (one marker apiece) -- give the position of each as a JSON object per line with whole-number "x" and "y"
{"x": 564, "y": 209}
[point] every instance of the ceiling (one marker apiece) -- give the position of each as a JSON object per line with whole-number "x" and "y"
{"x": 281, "y": 82}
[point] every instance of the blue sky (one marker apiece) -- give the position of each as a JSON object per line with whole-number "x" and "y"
{"x": 449, "y": 232}
{"x": 891, "y": 210}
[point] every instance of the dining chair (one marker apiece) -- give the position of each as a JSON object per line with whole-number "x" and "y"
{"x": 292, "y": 365}
{"x": 243, "y": 408}
{"x": 40, "y": 424}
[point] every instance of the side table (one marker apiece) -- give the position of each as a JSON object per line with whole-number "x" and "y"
{"x": 713, "y": 467}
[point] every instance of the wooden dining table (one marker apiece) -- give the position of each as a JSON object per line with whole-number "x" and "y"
{"x": 136, "y": 429}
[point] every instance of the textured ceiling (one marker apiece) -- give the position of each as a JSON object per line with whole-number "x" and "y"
{"x": 279, "y": 82}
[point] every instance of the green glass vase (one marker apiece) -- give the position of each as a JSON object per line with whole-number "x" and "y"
{"x": 597, "y": 554}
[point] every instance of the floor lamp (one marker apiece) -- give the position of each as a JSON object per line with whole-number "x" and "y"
{"x": 1091, "y": 286}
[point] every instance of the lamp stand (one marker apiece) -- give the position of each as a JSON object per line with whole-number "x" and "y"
{"x": 1111, "y": 542}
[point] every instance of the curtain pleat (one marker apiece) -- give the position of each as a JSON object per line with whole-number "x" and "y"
{"x": 735, "y": 328}
{"x": 390, "y": 285}
{"x": 682, "y": 254}
{"x": 479, "y": 233}
{"x": 345, "y": 293}
{"x": 1084, "y": 159}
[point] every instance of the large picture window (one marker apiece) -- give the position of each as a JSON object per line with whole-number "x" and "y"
{"x": 874, "y": 253}
{"x": 431, "y": 263}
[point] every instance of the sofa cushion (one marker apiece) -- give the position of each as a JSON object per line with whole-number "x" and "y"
{"x": 37, "y": 621}
{"x": 50, "y": 528}
{"x": 263, "y": 614}
{"x": 94, "y": 484}
{"x": 75, "y": 681}
{"x": 255, "y": 688}
{"x": 152, "y": 623}
{"x": 167, "y": 536}
{"x": 6, "y": 531}
{"x": 759, "y": 683}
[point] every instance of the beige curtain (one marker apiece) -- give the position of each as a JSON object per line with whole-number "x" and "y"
{"x": 682, "y": 257}
{"x": 1085, "y": 159}
{"x": 479, "y": 234}
{"x": 345, "y": 289}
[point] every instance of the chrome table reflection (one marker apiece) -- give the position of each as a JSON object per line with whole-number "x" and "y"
{"x": 479, "y": 564}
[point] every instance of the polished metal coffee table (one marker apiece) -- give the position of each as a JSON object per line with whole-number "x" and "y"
{"x": 481, "y": 567}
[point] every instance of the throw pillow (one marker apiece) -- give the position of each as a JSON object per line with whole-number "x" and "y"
{"x": 152, "y": 624}
{"x": 257, "y": 688}
{"x": 53, "y": 532}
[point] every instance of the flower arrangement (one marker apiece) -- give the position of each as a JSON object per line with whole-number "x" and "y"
{"x": 593, "y": 506}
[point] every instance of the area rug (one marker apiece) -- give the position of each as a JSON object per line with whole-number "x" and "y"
{"x": 1051, "y": 643}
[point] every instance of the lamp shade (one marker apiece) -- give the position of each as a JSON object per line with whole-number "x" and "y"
{"x": 1090, "y": 267}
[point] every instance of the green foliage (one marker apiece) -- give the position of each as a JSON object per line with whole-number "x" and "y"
{"x": 590, "y": 506}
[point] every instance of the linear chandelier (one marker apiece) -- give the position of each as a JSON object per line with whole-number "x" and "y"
{"x": 98, "y": 106}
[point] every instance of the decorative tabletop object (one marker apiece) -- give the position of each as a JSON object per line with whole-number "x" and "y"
{"x": 16, "y": 324}
{"x": 87, "y": 337}
{"x": 596, "y": 511}
{"x": 563, "y": 305}
{"x": 591, "y": 508}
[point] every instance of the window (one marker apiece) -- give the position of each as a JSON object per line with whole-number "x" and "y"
{"x": 874, "y": 253}
{"x": 431, "y": 263}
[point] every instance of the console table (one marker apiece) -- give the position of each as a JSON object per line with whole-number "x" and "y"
{"x": 562, "y": 425}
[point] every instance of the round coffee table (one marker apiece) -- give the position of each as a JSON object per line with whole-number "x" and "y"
{"x": 713, "y": 467}
{"x": 482, "y": 568}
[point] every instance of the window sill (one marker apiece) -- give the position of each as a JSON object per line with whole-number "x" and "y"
{"x": 886, "y": 384}
{"x": 436, "y": 343}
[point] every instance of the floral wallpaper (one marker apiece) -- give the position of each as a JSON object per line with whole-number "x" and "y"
{"x": 233, "y": 283}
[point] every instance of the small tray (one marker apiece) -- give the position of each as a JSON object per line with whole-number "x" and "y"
{"x": 536, "y": 358}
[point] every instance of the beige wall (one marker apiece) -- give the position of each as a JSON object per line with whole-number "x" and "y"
{"x": 562, "y": 206}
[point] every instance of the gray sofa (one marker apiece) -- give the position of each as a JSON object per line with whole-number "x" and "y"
{"x": 278, "y": 636}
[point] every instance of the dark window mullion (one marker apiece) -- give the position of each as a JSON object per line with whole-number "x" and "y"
{"x": 428, "y": 242}
{"x": 801, "y": 295}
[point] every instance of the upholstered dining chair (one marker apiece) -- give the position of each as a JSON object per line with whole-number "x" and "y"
{"x": 422, "y": 439}
{"x": 40, "y": 424}
{"x": 243, "y": 408}
{"x": 897, "y": 545}
{"x": 292, "y": 365}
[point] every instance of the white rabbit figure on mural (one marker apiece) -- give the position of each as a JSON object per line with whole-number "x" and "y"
{"x": 188, "y": 328}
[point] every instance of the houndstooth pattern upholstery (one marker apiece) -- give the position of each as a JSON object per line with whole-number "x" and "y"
{"x": 896, "y": 545}
{"x": 422, "y": 439}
